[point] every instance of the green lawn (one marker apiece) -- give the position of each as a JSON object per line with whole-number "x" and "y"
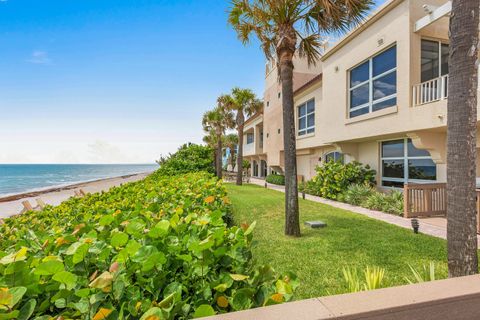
{"x": 320, "y": 254}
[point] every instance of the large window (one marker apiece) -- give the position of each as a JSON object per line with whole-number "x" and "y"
{"x": 434, "y": 59}
{"x": 250, "y": 138}
{"x": 403, "y": 162}
{"x": 334, "y": 156}
{"x": 373, "y": 84}
{"x": 306, "y": 118}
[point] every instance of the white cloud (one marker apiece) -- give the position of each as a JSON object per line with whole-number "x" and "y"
{"x": 39, "y": 57}
{"x": 103, "y": 152}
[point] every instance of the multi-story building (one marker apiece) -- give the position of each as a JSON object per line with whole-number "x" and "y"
{"x": 378, "y": 96}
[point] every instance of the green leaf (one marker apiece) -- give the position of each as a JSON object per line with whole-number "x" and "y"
{"x": 67, "y": 278}
{"x": 106, "y": 220}
{"x": 10, "y": 315}
{"x": 16, "y": 256}
{"x": 242, "y": 299}
{"x": 81, "y": 253}
{"x": 119, "y": 239}
{"x": 153, "y": 314}
{"x": 49, "y": 268}
{"x": 204, "y": 310}
{"x": 239, "y": 277}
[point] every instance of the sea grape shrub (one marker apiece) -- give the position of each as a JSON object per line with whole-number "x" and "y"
{"x": 154, "y": 249}
{"x": 334, "y": 177}
{"x": 276, "y": 179}
{"x": 188, "y": 158}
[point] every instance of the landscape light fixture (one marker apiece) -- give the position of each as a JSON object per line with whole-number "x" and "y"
{"x": 415, "y": 225}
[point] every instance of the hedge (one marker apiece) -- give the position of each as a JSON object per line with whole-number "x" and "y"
{"x": 154, "y": 249}
{"x": 276, "y": 179}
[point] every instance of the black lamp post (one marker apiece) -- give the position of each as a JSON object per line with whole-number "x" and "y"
{"x": 415, "y": 225}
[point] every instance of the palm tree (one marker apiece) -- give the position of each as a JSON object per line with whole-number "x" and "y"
{"x": 231, "y": 142}
{"x": 210, "y": 139}
{"x": 461, "y": 139}
{"x": 244, "y": 103}
{"x": 286, "y": 28}
{"x": 218, "y": 120}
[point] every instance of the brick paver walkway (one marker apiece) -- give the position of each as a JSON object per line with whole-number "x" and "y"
{"x": 434, "y": 228}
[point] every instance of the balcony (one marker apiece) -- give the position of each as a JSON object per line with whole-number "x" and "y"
{"x": 430, "y": 91}
{"x": 249, "y": 149}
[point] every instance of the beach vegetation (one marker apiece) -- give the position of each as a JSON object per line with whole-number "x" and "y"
{"x": 188, "y": 158}
{"x": 154, "y": 249}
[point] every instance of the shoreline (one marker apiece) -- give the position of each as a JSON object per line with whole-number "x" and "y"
{"x": 63, "y": 187}
{"x": 12, "y": 205}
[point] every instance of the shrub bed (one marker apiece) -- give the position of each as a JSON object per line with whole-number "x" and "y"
{"x": 367, "y": 197}
{"x": 154, "y": 249}
{"x": 188, "y": 158}
{"x": 276, "y": 179}
{"x": 334, "y": 177}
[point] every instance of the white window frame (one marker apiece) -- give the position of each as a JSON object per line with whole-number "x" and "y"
{"x": 306, "y": 116}
{"x": 370, "y": 81}
{"x": 405, "y": 159}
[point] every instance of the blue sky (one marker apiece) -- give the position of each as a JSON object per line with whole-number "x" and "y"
{"x": 114, "y": 80}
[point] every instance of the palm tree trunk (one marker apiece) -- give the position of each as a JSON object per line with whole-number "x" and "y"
{"x": 292, "y": 220}
{"x": 461, "y": 139}
{"x": 240, "y": 155}
{"x": 219, "y": 156}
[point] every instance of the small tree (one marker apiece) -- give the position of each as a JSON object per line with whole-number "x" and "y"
{"x": 217, "y": 121}
{"x": 231, "y": 142}
{"x": 286, "y": 28}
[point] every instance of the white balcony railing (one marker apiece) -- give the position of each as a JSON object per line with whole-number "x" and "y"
{"x": 430, "y": 91}
{"x": 249, "y": 149}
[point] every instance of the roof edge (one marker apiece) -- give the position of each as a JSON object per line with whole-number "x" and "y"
{"x": 374, "y": 17}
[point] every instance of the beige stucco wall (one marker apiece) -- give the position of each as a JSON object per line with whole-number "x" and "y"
{"x": 360, "y": 137}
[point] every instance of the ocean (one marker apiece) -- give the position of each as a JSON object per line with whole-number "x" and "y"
{"x": 19, "y": 178}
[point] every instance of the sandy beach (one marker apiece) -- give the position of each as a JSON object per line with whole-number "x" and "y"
{"x": 12, "y": 204}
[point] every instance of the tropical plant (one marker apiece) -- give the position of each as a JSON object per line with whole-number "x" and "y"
{"x": 231, "y": 142}
{"x": 356, "y": 194}
{"x": 153, "y": 249}
{"x": 461, "y": 138}
{"x": 286, "y": 28}
{"x": 276, "y": 179}
{"x": 427, "y": 273}
{"x": 216, "y": 122}
{"x": 334, "y": 177}
{"x": 373, "y": 279}
{"x": 188, "y": 158}
{"x": 245, "y": 104}
{"x": 390, "y": 202}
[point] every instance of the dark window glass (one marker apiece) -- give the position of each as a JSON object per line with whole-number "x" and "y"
{"x": 430, "y": 60}
{"x": 359, "y": 74}
{"x": 302, "y": 123}
{"x": 385, "y": 86}
{"x": 393, "y": 149}
{"x": 311, "y": 130}
{"x": 384, "y": 104}
{"x": 311, "y": 120}
{"x": 422, "y": 169}
{"x": 393, "y": 184}
{"x": 445, "y": 52}
{"x": 359, "y": 112}
{"x": 414, "y": 152}
{"x": 250, "y": 138}
{"x": 334, "y": 156}
{"x": 393, "y": 168}
{"x": 301, "y": 110}
{"x": 359, "y": 96}
{"x": 301, "y": 133}
{"x": 310, "y": 106}
{"x": 385, "y": 61}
